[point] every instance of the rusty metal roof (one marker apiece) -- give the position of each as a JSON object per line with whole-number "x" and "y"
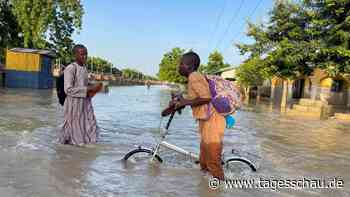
{"x": 37, "y": 51}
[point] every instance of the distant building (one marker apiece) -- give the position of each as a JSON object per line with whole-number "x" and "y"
{"x": 229, "y": 74}
{"x": 29, "y": 68}
{"x": 318, "y": 95}
{"x": 318, "y": 86}
{"x": 117, "y": 72}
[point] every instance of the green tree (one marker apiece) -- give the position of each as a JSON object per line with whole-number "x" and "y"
{"x": 34, "y": 17}
{"x": 66, "y": 19}
{"x": 134, "y": 74}
{"x": 215, "y": 63}
{"x": 330, "y": 27}
{"x": 300, "y": 37}
{"x": 99, "y": 65}
{"x": 168, "y": 67}
{"x": 49, "y": 23}
{"x": 9, "y": 29}
{"x": 202, "y": 68}
{"x": 284, "y": 45}
{"x": 252, "y": 73}
{"x": 285, "y": 42}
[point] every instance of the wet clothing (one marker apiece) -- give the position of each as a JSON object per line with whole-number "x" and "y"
{"x": 79, "y": 126}
{"x": 211, "y": 126}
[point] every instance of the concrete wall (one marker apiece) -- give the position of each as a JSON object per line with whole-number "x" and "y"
{"x": 307, "y": 88}
{"x": 333, "y": 98}
{"x": 276, "y": 90}
{"x": 316, "y": 86}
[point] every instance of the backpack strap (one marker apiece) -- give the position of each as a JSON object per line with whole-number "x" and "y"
{"x": 206, "y": 77}
{"x": 209, "y": 110}
{"x": 74, "y": 73}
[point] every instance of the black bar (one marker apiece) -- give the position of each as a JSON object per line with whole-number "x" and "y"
{"x": 170, "y": 119}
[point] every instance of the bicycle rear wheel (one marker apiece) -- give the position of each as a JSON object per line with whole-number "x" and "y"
{"x": 239, "y": 163}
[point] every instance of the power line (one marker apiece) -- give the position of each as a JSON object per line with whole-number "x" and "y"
{"x": 230, "y": 23}
{"x": 251, "y": 14}
{"x": 218, "y": 19}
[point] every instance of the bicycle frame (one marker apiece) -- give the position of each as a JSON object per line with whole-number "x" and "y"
{"x": 172, "y": 146}
{"x": 176, "y": 149}
{"x": 193, "y": 156}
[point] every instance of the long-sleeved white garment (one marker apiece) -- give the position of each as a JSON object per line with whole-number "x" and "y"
{"x": 79, "y": 125}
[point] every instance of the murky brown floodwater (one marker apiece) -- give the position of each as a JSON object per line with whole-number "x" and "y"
{"x": 33, "y": 164}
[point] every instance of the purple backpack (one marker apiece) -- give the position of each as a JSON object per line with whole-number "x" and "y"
{"x": 226, "y": 97}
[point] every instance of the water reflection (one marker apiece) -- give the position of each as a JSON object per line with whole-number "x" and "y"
{"x": 72, "y": 162}
{"x": 33, "y": 164}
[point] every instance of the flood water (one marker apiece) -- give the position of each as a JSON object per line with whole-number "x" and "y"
{"x": 32, "y": 163}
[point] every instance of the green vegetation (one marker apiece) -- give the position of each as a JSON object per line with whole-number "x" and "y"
{"x": 215, "y": 63}
{"x": 168, "y": 68}
{"x": 48, "y": 24}
{"x": 251, "y": 73}
{"x": 100, "y": 65}
{"x": 134, "y": 74}
{"x": 300, "y": 37}
{"x": 329, "y": 25}
{"x": 9, "y": 29}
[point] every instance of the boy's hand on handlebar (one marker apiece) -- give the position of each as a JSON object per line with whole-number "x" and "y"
{"x": 181, "y": 103}
{"x": 178, "y": 103}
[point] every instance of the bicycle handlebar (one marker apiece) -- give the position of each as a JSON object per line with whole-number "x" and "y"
{"x": 170, "y": 119}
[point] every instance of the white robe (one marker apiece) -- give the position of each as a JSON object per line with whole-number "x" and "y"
{"x": 79, "y": 125}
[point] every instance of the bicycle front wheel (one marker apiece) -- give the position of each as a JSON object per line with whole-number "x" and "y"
{"x": 141, "y": 154}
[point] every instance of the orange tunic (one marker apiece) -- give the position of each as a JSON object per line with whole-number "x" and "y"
{"x": 211, "y": 123}
{"x": 211, "y": 126}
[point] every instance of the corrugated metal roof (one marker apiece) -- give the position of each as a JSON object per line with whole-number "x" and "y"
{"x": 225, "y": 69}
{"x": 37, "y": 51}
{"x": 228, "y": 68}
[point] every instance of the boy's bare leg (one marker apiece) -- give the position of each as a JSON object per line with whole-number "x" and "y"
{"x": 214, "y": 151}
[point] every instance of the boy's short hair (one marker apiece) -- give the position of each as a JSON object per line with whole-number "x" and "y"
{"x": 191, "y": 59}
{"x": 78, "y": 46}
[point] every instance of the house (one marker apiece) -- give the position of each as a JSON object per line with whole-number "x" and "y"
{"x": 318, "y": 95}
{"x": 29, "y": 68}
{"x": 264, "y": 89}
{"x": 226, "y": 73}
{"x": 229, "y": 73}
{"x": 116, "y": 72}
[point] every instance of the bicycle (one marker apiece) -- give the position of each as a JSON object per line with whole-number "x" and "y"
{"x": 153, "y": 152}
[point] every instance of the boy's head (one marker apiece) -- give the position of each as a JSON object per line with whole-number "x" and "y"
{"x": 189, "y": 63}
{"x": 80, "y": 54}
